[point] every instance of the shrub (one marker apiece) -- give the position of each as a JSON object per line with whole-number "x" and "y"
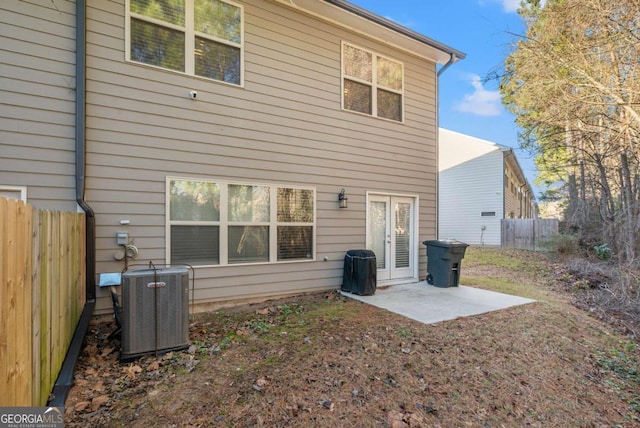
{"x": 603, "y": 252}
{"x": 564, "y": 243}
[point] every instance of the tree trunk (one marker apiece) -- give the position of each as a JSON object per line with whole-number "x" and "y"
{"x": 629, "y": 218}
{"x": 572, "y": 208}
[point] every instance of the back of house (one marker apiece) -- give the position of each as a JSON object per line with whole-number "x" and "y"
{"x": 219, "y": 134}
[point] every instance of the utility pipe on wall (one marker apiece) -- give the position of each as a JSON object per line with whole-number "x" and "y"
{"x": 65, "y": 377}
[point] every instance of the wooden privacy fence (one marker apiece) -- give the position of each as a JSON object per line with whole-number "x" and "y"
{"x": 42, "y": 256}
{"x": 528, "y": 233}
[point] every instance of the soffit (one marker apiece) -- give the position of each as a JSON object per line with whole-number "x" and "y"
{"x": 356, "y": 19}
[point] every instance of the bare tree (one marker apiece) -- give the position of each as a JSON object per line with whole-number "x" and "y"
{"x": 573, "y": 83}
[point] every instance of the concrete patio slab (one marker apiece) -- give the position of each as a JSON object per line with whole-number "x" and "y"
{"x": 429, "y": 304}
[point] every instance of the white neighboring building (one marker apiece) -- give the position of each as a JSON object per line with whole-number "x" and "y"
{"x": 480, "y": 183}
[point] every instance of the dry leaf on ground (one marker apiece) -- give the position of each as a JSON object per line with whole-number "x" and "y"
{"x": 98, "y": 401}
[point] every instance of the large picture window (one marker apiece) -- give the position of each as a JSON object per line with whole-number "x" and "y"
{"x": 372, "y": 84}
{"x": 218, "y": 223}
{"x": 197, "y": 37}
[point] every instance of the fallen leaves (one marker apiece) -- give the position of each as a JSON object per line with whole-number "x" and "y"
{"x": 107, "y": 351}
{"x": 82, "y": 382}
{"x": 102, "y": 379}
{"x": 155, "y": 365}
{"x": 345, "y": 364}
{"x": 93, "y": 405}
{"x": 132, "y": 370}
{"x": 99, "y": 386}
{"x": 98, "y": 401}
{"x": 396, "y": 419}
{"x": 91, "y": 372}
{"x": 260, "y": 384}
{"x": 82, "y": 406}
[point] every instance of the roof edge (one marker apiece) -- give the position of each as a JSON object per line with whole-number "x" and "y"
{"x": 391, "y": 25}
{"x": 468, "y": 137}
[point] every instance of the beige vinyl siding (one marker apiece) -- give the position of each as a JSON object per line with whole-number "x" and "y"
{"x": 284, "y": 127}
{"x": 521, "y": 208}
{"x": 511, "y": 204}
{"x": 37, "y": 100}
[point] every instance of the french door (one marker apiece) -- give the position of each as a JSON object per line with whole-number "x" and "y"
{"x": 391, "y": 236}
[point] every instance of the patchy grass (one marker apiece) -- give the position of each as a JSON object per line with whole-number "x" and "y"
{"x": 323, "y": 360}
{"x": 622, "y": 373}
{"x": 520, "y": 273}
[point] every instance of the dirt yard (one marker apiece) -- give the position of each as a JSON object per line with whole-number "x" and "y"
{"x": 325, "y": 360}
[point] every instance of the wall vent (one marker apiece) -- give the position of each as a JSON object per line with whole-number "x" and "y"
{"x": 155, "y": 311}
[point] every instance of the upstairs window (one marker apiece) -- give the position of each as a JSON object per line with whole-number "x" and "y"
{"x": 197, "y": 37}
{"x": 371, "y": 83}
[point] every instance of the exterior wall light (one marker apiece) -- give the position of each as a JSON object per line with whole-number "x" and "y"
{"x": 342, "y": 198}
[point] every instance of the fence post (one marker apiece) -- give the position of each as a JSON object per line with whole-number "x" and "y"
{"x": 533, "y": 233}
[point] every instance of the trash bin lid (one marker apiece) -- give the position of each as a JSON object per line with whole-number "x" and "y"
{"x": 446, "y": 243}
{"x": 361, "y": 254}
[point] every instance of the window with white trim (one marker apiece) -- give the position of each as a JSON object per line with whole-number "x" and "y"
{"x": 197, "y": 37}
{"x": 372, "y": 84}
{"x": 14, "y": 192}
{"x": 220, "y": 223}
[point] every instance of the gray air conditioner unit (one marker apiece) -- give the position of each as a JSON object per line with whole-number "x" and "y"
{"x": 155, "y": 311}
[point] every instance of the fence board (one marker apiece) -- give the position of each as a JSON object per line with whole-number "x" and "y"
{"x": 42, "y": 268}
{"x": 45, "y": 321}
{"x": 15, "y": 314}
{"x": 23, "y": 248}
{"x": 56, "y": 310}
{"x": 7, "y": 321}
{"x": 38, "y": 393}
{"x": 527, "y": 234}
{"x": 4, "y": 346}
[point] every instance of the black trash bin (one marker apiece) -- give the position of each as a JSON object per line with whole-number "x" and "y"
{"x": 444, "y": 259}
{"x": 359, "y": 272}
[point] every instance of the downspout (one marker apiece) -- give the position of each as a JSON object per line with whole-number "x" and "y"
{"x": 65, "y": 377}
{"x": 452, "y": 60}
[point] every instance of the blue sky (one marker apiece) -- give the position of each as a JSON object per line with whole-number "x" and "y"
{"x": 481, "y": 29}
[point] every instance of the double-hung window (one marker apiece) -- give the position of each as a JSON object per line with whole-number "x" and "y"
{"x": 197, "y": 37}
{"x": 220, "y": 223}
{"x": 371, "y": 83}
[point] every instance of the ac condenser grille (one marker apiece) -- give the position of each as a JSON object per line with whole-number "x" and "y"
{"x": 155, "y": 311}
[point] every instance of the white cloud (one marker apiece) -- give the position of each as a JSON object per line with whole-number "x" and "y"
{"x": 481, "y": 102}
{"x": 510, "y": 5}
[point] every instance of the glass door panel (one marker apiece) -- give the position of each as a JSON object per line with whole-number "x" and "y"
{"x": 394, "y": 249}
{"x": 378, "y": 231}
